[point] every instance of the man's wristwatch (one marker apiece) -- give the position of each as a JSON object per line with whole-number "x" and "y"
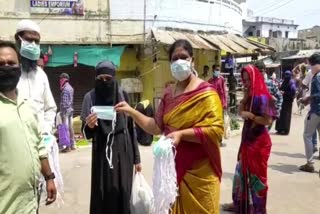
{"x": 50, "y": 177}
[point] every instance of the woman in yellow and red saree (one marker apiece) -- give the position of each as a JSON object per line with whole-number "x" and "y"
{"x": 198, "y": 165}
{"x": 191, "y": 115}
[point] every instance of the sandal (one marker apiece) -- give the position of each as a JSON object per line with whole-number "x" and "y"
{"x": 307, "y": 168}
{"x": 66, "y": 150}
{"x": 228, "y": 207}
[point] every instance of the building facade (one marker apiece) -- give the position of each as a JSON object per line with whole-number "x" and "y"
{"x": 312, "y": 34}
{"x": 71, "y": 27}
{"x": 196, "y": 15}
{"x": 269, "y": 28}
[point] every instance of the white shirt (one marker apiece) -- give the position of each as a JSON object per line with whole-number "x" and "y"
{"x": 307, "y": 81}
{"x": 34, "y": 85}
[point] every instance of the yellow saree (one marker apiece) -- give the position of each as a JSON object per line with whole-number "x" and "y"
{"x": 198, "y": 165}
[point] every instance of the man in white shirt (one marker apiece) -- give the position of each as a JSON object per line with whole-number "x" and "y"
{"x": 34, "y": 84}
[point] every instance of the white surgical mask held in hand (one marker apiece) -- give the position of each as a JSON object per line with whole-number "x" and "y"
{"x": 106, "y": 113}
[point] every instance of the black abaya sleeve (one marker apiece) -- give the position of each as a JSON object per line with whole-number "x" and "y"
{"x": 85, "y": 111}
{"x": 135, "y": 147}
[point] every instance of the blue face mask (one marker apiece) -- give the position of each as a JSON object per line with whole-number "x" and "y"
{"x": 163, "y": 147}
{"x": 47, "y": 139}
{"x": 104, "y": 112}
{"x": 216, "y": 73}
{"x": 30, "y": 50}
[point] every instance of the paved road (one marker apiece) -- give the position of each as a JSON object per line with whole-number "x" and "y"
{"x": 291, "y": 191}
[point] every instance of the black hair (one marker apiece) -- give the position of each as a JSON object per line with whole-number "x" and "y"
{"x": 260, "y": 65}
{"x": 5, "y": 44}
{"x": 181, "y": 43}
{"x": 214, "y": 66}
{"x": 314, "y": 59}
{"x": 206, "y": 66}
{"x": 41, "y": 55}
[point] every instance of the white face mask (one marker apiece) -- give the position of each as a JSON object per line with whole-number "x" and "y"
{"x": 181, "y": 69}
{"x": 106, "y": 113}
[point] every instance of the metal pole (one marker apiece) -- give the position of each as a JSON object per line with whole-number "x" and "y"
{"x": 109, "y": 23}
{"x": 144, "y": 21}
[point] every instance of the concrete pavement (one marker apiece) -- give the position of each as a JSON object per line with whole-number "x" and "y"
{"x": 290, "y": 191}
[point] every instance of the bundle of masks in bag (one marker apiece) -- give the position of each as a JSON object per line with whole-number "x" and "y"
{"x": 164, "y": 176}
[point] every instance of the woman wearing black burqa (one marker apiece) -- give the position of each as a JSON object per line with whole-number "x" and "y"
{"x": 288, "y": 90}
{"x": 111, "y": 183}
{"x": 145, "y": 108}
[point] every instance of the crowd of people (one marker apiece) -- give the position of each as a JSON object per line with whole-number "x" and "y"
{"x": 29, "y": 112}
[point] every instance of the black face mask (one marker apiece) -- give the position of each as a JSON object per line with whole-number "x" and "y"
{"x": 105, "y": 91}
{"x": 9, "y": 78}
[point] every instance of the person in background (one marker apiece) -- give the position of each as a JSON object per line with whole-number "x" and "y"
{"x": 272, "y": 88}
{"x": 34, "y": 84}
{"x": 288, "y": 90}
{"x": 112, "y": 171}
{"x": 230, "y": 63}
{"x": 232, "y": 81}
{"x": 40, "y": 61}
{"x": 306, "y": 82}
{"x": 66, "y": 109}
{"x": 301, "y": 89}
{"x": 250, "y": 185}
{"x": 205, "y": 74}
{"x": 218, "y": 83}
{"x": 312, "y": 121}
{"x": 145, "y": 108}
{"x": 169, "y": 84}
{"x": 196, "y": 131}
{"x": 22, "y": 155}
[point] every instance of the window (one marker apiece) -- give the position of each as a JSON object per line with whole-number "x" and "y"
{"x": 274, "y": 34}
{"x": 250, "y": 33}
{"x": 287, "y": 34}
{"x": 258, "y": 33}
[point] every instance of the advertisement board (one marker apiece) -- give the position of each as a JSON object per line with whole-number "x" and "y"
{"x": 62, "y": 7}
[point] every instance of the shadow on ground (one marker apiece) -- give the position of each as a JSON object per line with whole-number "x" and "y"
{"x": 285, "y": 168}
{"x": 290, "y": 155}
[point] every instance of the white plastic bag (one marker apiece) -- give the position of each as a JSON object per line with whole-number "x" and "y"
{"x": 164, "y": 183}
{"x": 141, "y": 196}
{"x": 53, "y": 158}
{"x": 227, "y": 125}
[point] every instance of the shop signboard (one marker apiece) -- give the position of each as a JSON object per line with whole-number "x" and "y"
{"x": 62, "y": 7}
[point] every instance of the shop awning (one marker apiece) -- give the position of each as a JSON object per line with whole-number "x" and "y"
{"x": 169, "y": 37}
{"x": 224, "y": 42}
{"x": 302, "y": 54}
{"x": 242, "y": 42}
{"x": 90, "y": 55}
{"x": 215, "y": 41}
